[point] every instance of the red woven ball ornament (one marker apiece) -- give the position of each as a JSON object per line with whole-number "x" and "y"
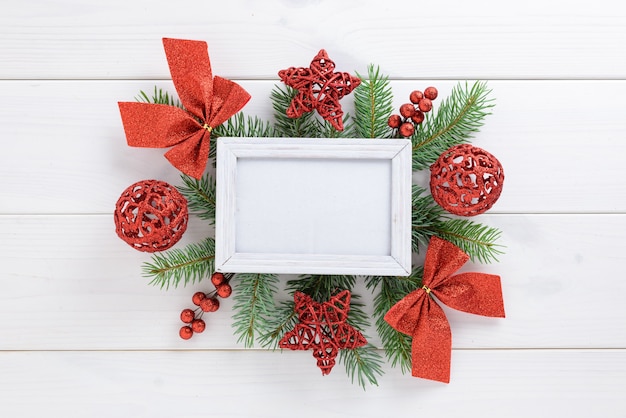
{"x": 151, "y": 216}
{"x": 466, "y": 180}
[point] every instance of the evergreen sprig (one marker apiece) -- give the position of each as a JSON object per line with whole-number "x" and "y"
{"x": 425, "y": 219}
{"x": 282, "y": 320}
{"x": 373, "y": 104}
{"x": 188, "y": 265}
{"x": 363, "y": 363}
{"x": 200, "y": 195}
{"x": 320, "y": 287}
{"x": 456, "y": 120}
{"x": 241, "y": 125}
{"x": 158, "y": 97}
{"x": 390, "y": 290}
{"x": 475, "y": 239}
{"x": 254, "y": 305}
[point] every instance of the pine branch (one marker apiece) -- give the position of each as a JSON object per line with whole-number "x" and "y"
{"x": 200, "y": 195}
{"x": 159, "y": 97}
{"x": 283, "y": 319}
{"x": 475, "y": 239}
{"x": 390, "y": 290}
{"x": 373, "y": 103}
{"x": 458, "y": 117}
{"x": 244, "y": 126}
{"x": 306, "y": 126}
{"x": 364, "y": 363}
{"x": 189, "y": 265}
{"x": 426, "y": 215}
{"x": 254, "y": 304}
{"x": 320, "y": 287}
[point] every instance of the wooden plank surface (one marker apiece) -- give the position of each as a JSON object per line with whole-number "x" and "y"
{"x": 83, "y": 334}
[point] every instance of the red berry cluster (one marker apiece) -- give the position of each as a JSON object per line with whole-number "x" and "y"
{"x": 205, "y": 302}
{"x": 412, "y": 114}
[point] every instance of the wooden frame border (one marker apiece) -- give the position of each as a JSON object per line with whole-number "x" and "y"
{"x": 398, "y": 151}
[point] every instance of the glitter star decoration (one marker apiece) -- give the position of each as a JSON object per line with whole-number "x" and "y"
{"x": 319, "y": 88}
{"x": 323, "y": 328}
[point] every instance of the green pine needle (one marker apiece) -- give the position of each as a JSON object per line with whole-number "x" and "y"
{"x": 458, "y": 117}
{"x": 188, "y": 265}
{"x": 244, "y": 126}
{"x": 282, "y": 320}
{"x": 254, "y": 304}
{"x": 425, "y": 218}
{"x": 373, "y": 103}
{"x": 200, "y": 195}
{"x": 475, "y": 239}
{"x": 363, "y": 363}
{"x": 159, "y": 97}
{"x": 390, "y": 290}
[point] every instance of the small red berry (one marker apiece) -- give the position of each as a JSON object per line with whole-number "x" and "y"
{"x": 405, "y": 130}
{"x": 198, "y": 325}
{"x": 416, "y": 96}
{"x": 418, "y": 117}
{"x": 197, "y": 298}
{"x": 394, "y": 121}
{"x": 407, "y": 110}
{"x": 431, "y": 93}
{"x": 185, "y": 332}
{"x": 210, "y": 304}
{"x": 425, "y": 105}
{"x": 187, "y": 315}
{"x": 217, "y": 278}
{"x": 224, "y": 290}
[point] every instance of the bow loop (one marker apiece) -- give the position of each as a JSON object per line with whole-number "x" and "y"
{"x": 208, "y": 102}
{"x": 419, "y": 315}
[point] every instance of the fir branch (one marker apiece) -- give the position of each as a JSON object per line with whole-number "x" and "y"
{"x": 390, "y": 290}
{"x": 364, "y": 363}
{"x": 426, "y": 216}
{"x": 200, "y": 195}
{"x": 373, "y": 103}
{"x": 475, "y": 239}
{"x": 306, "y": 126}
{"x": 458, "y": 117}
{"x": 254, "y": 304}
{"x": 241, "y": 125}
{"x": 320, "y": 287}
{"x": 158, "y": 97}
{"x": 189, "y": 265}
{"x": 282, "y": 320}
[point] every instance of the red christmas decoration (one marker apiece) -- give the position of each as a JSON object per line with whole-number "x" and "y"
{"x": 208, "y": 101}
{"x": 419, "y": 316}
{"x": 323, "y": 329}
{"x": 319, "y": 88}
{"x": 151, "y": 215}
{"x": 466, "y": 180}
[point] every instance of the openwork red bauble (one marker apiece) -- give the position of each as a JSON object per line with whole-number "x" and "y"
{"x": 466, "y": 180}
{"x": 151, "y": 216}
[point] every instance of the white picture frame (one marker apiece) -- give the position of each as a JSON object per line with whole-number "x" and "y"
{"x": 313, "y": 206}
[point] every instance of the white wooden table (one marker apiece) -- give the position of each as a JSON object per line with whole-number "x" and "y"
{"x": 82, "y": 334}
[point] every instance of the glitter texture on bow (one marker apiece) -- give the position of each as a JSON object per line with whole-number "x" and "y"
{"x": 208, "y": 102}
{"x": 419, "y": 316}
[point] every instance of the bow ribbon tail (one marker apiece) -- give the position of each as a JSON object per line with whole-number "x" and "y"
{"x": 475, "y": 293}
{"x": 191, "y": 156}
{"x": 422, "y": 318}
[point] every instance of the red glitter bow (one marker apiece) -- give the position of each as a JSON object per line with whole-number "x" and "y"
{"x": 209, "y": 101}
{"x": 319, "y": 88}
{"x": 420, "y": 316}
{"x": 323, "y": 328}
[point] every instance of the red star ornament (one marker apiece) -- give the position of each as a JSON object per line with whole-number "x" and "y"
{"x": 323, "y": 329}
{"x": 319, "y": 88}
